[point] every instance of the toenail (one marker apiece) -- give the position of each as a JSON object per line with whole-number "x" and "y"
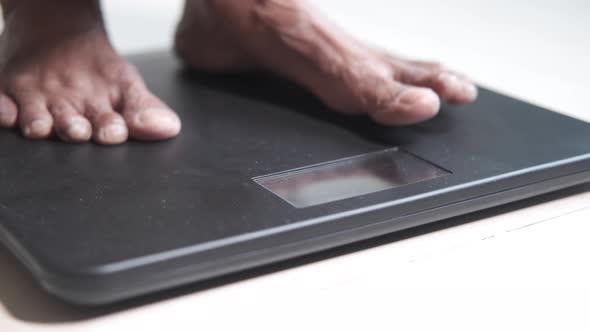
{"x": 411, "y": 96}
{"x": 449, "y": 80}
{"x": 78, "y": 131}
{"x": 455, "y": 83}
{"x": 470, "y": 90}
{"x": 112, "y": 133}
{"x": 37, "y": 127}
{"x": 156, "y": 118}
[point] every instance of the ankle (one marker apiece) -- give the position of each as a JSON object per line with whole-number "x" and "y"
{"x": 45, "y": 14}
{"x": 31, "y": 26}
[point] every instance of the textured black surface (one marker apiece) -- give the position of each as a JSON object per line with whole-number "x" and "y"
{"x": 93, "y": 218}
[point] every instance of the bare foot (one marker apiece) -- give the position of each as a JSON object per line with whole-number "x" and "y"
{"x": 289, "y": 37}
{"x": 59, "y": 74}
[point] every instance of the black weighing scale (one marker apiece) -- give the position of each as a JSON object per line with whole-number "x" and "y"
{"x": 262, "y": 172}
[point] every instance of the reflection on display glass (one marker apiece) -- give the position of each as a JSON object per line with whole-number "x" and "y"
{"x": 350, "y": 177}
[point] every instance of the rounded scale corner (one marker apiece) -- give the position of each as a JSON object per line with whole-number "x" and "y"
{"x": 74, "y": 295}
{"x": 80, "y": 286}
{"x": 84, "y": 286}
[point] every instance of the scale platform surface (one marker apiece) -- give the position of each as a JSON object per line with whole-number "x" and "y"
{"x": 261, "y": 173}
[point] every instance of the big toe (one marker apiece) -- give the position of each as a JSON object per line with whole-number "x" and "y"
{"x": 412, "y": 105}
{"x": 152, "y": 123}
{"x": 147, "y": 117}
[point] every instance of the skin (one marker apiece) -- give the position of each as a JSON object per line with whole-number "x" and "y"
{"x": 66, "y": 79}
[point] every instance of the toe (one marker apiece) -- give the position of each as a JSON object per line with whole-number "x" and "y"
{"x": 8, "y": 112}
{"x": 450, "y": 86}
{"x": 454, "y": 88}
{"x": 108, "y": 127}
{"x": 147, "y": 117}
{"x": 35, "y": 120}
{"x": 412, "y": 105}
{"x": 69, "y": 124}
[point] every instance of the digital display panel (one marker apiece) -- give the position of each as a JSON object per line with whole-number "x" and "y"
{"x": 349, "y": 177}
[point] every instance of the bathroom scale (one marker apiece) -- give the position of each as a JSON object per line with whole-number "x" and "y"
{"x": 262, "y": 172}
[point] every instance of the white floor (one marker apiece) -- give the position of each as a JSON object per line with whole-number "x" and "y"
{"x": 525, "y": 268}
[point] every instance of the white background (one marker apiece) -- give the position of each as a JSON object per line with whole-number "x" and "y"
{"x": 520, "y": 268}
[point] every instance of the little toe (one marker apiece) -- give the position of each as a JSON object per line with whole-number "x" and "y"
{"x": 147, "y": 117}
{"x": 8, "y": 112}
{"x": 412, "y": 105}
{"x": 70, "y": 125}
{"x": 35, "y": 120}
